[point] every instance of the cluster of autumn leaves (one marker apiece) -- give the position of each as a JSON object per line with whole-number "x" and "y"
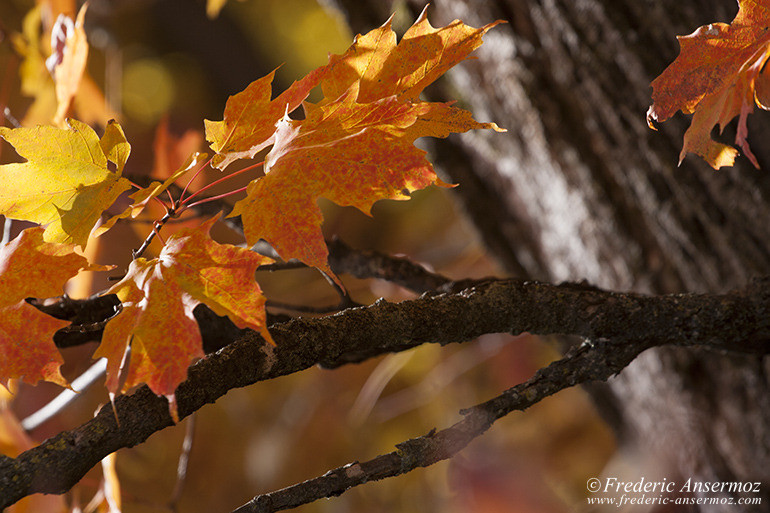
{"x": 355, "y": 146}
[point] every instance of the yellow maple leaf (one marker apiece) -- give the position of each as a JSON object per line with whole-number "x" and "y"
{"x": 65, "y": 183}
{"x": 143, "y": 196}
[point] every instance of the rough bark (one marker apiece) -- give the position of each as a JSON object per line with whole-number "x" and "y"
{"x": 623, "y": 325}
{"x": 581, "y": 188}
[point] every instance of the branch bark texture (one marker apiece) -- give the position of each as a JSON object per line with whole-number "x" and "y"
{"x": 737, "y": 321}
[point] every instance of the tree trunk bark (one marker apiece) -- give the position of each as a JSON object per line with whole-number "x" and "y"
{"x": 580, "y": 188}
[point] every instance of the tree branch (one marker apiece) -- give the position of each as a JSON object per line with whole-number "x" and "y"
{"x": 587, "y": 362}
{"x": 737, "y": 321}
{"x": 372, "y": 264}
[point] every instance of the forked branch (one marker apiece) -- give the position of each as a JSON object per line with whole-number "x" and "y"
{"x": 620, "y": 326}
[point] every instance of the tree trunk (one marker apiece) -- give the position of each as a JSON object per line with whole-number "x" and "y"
{"x": 580, "y": 188}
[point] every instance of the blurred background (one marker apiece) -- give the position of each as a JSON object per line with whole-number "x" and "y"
{"x": 162, "y": 66}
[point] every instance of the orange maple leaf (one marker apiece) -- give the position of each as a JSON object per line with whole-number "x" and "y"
{"x": 350, "y": 153}
{"x": 31, "y": 267}
{"x": 66, "y": 183}
{"x": 158, "y": 298}
{"x": 718, "y": 75}
{"x": 384, "y": 67}
{"x": 250, "y": 117}
{"x": 356, "y": 146}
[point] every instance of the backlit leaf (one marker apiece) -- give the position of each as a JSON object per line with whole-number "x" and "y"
{"x": 31, "y": 267}
{"x": 65, "y": 183}
{"x": 717, "y": 76}
{"x": 143, "y": 196}
{"x": 71, "y": 57}
{"x": 385, "y": 67}
{"x": 356, "y": 146}
{"x": 158, "y": 298}
{"x": 114, "y": 145}
{"x": 250, "y": 117}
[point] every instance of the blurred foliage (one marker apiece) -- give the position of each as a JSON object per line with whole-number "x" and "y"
{"x": 163, "y": 66}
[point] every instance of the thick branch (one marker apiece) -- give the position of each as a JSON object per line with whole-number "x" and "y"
{"x": 736, "y": 321}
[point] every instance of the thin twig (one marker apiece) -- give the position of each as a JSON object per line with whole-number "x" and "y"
{"x": 93, "y": 374}
{"x": 184, "y": 460}
{"x": 584, "y": 363}
{"x": 282, "y": 266}
{"x": 7, "y": 224}
{"x": 156, "y": 227}
{"x": 373, "y": 264}
{"x": 10, "y": 118}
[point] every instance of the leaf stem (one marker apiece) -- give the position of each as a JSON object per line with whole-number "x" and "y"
{"x": 162, "y": 203}
{"x": 194, "y": 176}
{"x": 213, "y": 198}
{"x": 186, "y": 200}
{"x": 134, "y": 184}
{"x": 171, "y": 200}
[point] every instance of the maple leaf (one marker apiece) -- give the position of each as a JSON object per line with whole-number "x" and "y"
{"x": 158, "y": 298}
{"x": 717, "y": 76}
{"x": 250, "y": 117}
{"x": 350, "y": 153}
{"x": 32, "y": 71}
{"x": 65, "y": 183}
{"x": 356, "y": 146}
{"x": 385, "y": 67}
{"x": 142, "y": 197}
{"x": 31, "y": 267}
{"x": 68, "y": 60}
{"x": 213, "y": 7}
{"x": 114, "y": 144}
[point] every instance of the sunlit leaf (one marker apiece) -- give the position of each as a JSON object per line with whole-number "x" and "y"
{"x": 65, "y": 184}
{"x": 31, "y": 267}
{"x": 158, "y": 298}
{"x": 71, "y": 57}
{"x": 356, "y": 146}
{"x": 142, "y": 197}
{"x": 385, "y": 67}
{"x": 717, "y": 76}
{"x": 250, "y": 117}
